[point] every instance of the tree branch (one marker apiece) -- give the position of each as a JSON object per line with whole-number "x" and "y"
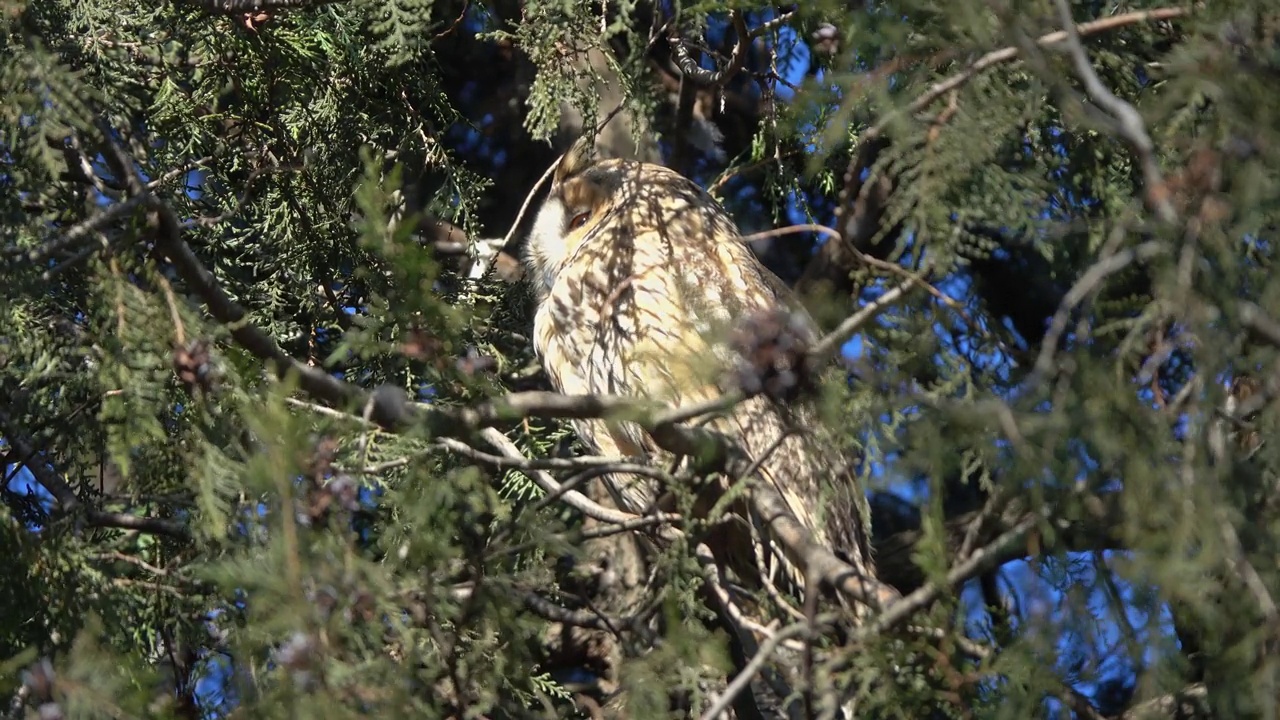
{"x": 991, "y": 556}
{"x": 1186, "y": 703}
{"x": 1097, "y": 531}
{"x": 76, "y": 232}
{"x": 1125, "y": 120}
{"x": 234, "y": 7}
{"x": 1087, "y": 283}
{"x": 861, "y": 203}
{"x": 573, "y": 498}
{"x": 690, "y": 68}
{"x": 66, "y": 497}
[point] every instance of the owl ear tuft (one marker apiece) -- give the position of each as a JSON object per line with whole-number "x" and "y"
{"x": 578, "y": 158}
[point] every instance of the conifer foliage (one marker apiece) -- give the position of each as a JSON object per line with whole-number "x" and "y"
{"x": 275, "y": 444}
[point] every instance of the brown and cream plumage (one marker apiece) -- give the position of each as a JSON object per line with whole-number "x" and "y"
{"x": 640, "y": 275}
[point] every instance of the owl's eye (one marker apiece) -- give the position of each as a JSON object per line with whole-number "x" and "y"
{"x": 579, "y": 220}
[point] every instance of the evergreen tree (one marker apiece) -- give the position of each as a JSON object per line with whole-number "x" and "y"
{"x": 275, "y": 444}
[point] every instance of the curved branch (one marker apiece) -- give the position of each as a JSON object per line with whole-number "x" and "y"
{"x": 690, "y": 68}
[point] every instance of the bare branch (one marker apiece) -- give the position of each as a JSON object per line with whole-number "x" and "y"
{"x": 1128, "y": 122}
{"x": 578, "y": 618}
{"x": 1098, "y": 530}
{"x": 889, "y": 267}
{"x": 690, "y": 68}
{"x": 840, "y": 575}
{"x": 829, "y": 345}
{"x": 745, "y": 628}
{"x": 66, "y": 497}
{"x": 744, "y": 677}
{"x": 773, "y": 24}
{"x": 488, "y": 255}
{"x": 573, "y": 498}
{"x": 1186, "y": 703}
{"x": 579, "y": 463}
{"x": 1257, "y": 321}
{"x": 982, "y": 560}
{"x": 78, "y": 232}
{"x": 1087, "y": 283}
{"x": 1239, "y": 563}
{"x": 1011, "y": 53}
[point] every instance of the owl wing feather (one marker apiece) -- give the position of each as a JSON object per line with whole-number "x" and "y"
{"x": 793, "y": 450}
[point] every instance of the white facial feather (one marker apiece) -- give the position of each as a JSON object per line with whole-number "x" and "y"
{"x": 546, "y": 248}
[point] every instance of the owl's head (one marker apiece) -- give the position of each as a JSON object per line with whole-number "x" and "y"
{"x": 610, "y": 202}
{"x": 575, "y": 204}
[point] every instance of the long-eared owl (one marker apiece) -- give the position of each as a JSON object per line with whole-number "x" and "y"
{"x": 640, "y": 276}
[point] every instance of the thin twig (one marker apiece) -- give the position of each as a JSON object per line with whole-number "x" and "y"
{"x": 1127, "y": 120}
{"x": 866, "y": 259}
{"x": 78, "y": 231}
{"x": 773, "y": 24}
{"x": 179, "y": 332}
{"x": 990, "y": 555}
{"x": 744, "y": 677}
{"x": 731, "y": 173}
{"x": 1188, "y": 702}
{"x": 116, "y": 555}
{"x": 573, "y": 498}
{"x": 833, "y": 341}
{"x": 1087, "y": 283}
{"x": 689, "y": 67}
{"x": 1008, "y": 54}
{"x": 496, "y": 248}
